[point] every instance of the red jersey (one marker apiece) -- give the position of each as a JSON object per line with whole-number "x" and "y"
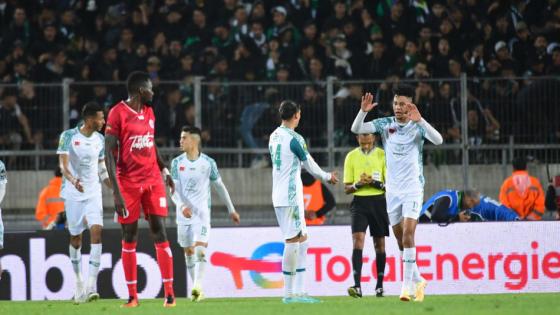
{"x": 137, "y": 160}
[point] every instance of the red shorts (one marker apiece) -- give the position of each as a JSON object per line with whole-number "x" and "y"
{"x": 150, "y": 198}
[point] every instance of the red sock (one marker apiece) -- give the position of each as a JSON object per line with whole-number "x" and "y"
{"x": 128, "y": 256}
{"x": 165, "y": 262}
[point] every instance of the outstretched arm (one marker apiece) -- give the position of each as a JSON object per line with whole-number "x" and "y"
{"x": 222, "y": 191}
{"x": 358, "y": 125}
{"x": 111, "y": 143}
{"x": 431, "y": 133}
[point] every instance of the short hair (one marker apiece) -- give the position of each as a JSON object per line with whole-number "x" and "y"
{"x": 519, "y": 163}
{"x": 288, "y": 109}
{"x": 135, "y": 81}
{"x": 90, "y": 109}
{"x": 192, "y": 130}
{"x": 471, "y": 193}
{"x": 404, "y": 90}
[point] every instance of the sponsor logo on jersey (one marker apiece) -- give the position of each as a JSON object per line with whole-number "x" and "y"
{"x": 142, "y": 141}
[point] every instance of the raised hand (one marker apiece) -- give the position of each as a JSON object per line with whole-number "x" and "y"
{"x": 413, "y": 113}
{"x": 367, "y": 102}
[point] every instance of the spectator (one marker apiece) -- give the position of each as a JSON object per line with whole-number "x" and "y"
{"x": 168, "y": 113}
{"x": 14, "y": 125}
{"x": 49, "y": 203}
{"x": 523, "y": 193}
{"x": 318, "y": 200}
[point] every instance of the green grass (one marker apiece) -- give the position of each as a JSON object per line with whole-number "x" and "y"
{"x": 509, "y": 304}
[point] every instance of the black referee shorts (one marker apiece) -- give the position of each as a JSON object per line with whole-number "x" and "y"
{"x": 370, "y": 211}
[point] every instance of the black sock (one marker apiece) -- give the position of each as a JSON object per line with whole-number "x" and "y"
{"x": 357, "y": 266}
{"x": 380, "y": 263}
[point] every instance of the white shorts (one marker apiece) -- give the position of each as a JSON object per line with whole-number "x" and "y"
{"x": 291, "y": 221}
{"x": 403, "y": 206}
{"x": 188, "y": 235}
{"x": 83, "y": 214}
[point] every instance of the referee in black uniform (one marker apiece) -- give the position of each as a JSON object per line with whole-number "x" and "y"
{"x": 364, "y": 177}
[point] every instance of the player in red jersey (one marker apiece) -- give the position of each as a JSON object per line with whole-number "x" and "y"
{"x": 134, "y": 167}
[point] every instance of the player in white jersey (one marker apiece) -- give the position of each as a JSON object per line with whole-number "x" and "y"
{"x": 403, "y": 136}
{"x": 193, "y": 172}
{"x": 3, "y": 182}
{"x": 82, "y": 162}
{"x": 288, "y": 152}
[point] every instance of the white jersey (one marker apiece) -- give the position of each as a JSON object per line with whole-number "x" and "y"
{"x": 84, "y": 154}
{"x": 287, "y": 150}
{"x": 3, "y": 182}
{"x": 192, "y": 185}
{"x": 403, "y": 154}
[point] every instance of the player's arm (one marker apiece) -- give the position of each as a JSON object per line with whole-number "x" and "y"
{"x": 166, "y": 174}
{"x": 2, "y": 191}
{"x": 430, "y": 132}
{"x": 103, "y": 174}
{"x": 181, "y": 202}
{"x": 63, "y": 150}
{"x": 111, "y": 144}
{"x": 358, "y": 126}
{"x": 309, "y": 163}
{"x": 222, "y": 191}
{"x": 440, "y": 210}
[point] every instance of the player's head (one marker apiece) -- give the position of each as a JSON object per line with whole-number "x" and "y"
{"x": 93, "y": 116}
{"x": 519, "y": 163}
{"x": 190, "y": 138}
{"x": 403, "y": 96}
{"x": 471, "y": 199}
{"x": 290, "y": 112}
{"x": 139, "y": 85}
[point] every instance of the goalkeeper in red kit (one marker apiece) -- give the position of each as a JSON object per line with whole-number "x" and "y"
{"x": 134, "y": 168}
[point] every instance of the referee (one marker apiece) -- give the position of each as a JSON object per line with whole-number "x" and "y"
{"x": 364, "y": 177}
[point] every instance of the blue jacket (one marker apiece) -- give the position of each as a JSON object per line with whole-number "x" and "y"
{"x": 454, "y": 201}
{"x": 491, "y": 210}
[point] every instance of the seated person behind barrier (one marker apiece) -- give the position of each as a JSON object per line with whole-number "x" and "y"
{"x": 318, "y": 199}
{"x": 491, "y": 210}
{"x": 523, "y": 193}
{"x": 449, "y": 205}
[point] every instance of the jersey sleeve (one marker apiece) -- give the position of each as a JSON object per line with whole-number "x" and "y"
{"x": 348, "y": 170}
{"x": 214, "y": 174}
{"x": 298, "y": 149}
{"x": 113, "y": 126}
{"x": 3, "y": 174}
{"x": 64, "y": 143}
{"x": 379, "y": 124}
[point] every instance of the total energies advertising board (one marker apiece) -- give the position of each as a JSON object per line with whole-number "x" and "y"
{"x": 467, "y": 258}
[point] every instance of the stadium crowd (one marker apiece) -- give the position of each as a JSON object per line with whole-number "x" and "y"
{"x": 290, "y": 40}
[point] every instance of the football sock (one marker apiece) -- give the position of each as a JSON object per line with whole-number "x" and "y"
{"x": 200, "y": 254}
{"x": 289, "y": 260}
{"x": 76, "y": 259}
{"x": 409, "y": 260}
{"x": 128, "y": 256}
{"x": 190, "y": 261}
{"x": 300, "y": 268}
{"x": 380, "y": 264}
{"x": 94, "y": 262}
{"x": 357, "y": 262}
{"x": 165, "y": 262}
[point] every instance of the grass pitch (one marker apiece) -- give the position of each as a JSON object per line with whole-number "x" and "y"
{"x": 509, "y": 304}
